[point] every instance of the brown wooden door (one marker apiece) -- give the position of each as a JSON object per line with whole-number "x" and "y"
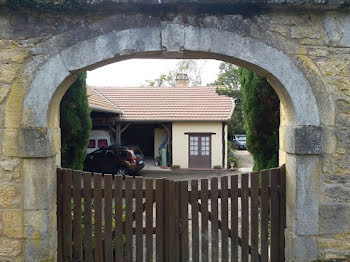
{"x": 200, "y": 151}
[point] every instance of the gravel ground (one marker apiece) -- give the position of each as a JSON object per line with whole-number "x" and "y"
{"x": 245, "y": 159}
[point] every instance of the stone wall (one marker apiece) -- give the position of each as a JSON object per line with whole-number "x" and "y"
{"x": 317, "y": 42}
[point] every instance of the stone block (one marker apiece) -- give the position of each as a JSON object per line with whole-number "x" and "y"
{"x": 303, "y": 193}
{"x": 38, "y": 96}
{"x": 12, "y": 223}
{"x": 13, "y": 55}
{"x": 307, "y": 195}
{"x": 336, "y": 192}
{"x": 36, "y": 142}
{"x": 304, "y": 140}
{"x": 39, "y": 176}
{"x": 4, "y": 90}
{"x": 334, "y": 218}
{"x": 111, "y": 46}
{"x": 10, "y": 142}
{"x": 9, "y": 164}
{"x": 329, "y": 140}
{"x": 300, "y": 248}
{"x": 39, "y": 250}
{"x": 10, "y": 247}
{"x": 8, "y": 73}
{"x": 173, "y": 37}
{"x": 36, "y": 224}
{"x": 9, "y": 197}
{"x": 334, "y": 246}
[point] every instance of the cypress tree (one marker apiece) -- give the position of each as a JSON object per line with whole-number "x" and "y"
{"x": 75, "y": 124}
{"x": 261, "y": 112}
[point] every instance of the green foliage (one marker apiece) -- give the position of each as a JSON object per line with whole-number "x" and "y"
{"x": 75, "y": 124}
{"x": 261, "y": 110}
{"x": 231, "y": 157}
{"x": 217, "y": 167}
{"x": 175, "y": 167}
{"x": 228, "y": 78}
{"x": 189, "y": 67}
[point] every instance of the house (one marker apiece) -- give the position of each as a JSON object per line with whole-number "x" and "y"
{"x": 190, "y": 122}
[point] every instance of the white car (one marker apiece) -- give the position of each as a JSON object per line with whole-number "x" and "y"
{"x": 239, "y": 141}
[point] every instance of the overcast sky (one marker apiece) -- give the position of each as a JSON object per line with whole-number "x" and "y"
{"x": 135, "y": 72}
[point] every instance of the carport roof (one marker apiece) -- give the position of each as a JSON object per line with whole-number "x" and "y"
{"x": 169, "y": 103}
{"x": 98, "y": 102}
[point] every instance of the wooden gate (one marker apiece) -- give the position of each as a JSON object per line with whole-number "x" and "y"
{"x": 230, "y": 218}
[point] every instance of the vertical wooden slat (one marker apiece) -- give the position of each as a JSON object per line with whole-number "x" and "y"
{"x": 245, "y": 220}
{"x": 67, "y": 215}
{"x": 128, "y": 219}
{"x": 59, "y": 216}
{"x": 234, "y": 218}
{"x": 118, "y": 233}
{"x": 166, "y": 220}
{"x": 184, "y": 221}
{"x": 171, "y": 222}
{"x": 108, "y": 215}
{"x": 98, "y": 216}
{"x": 195, "y": 222}
{"x": 139, "y": 220}
{"x": 149, "y": 220}
{"x": 282, "y": 191}
{"x": 254, "y": 211}
{"x": 214, "y": 220}
{"x": 160, "y": 220}
{"x": 205, "y": 219}
{"x": 177, "y": 249}
{"x": 264, "y": 178}
{"x": 87, "y": 218}
{"x": 224, "y": 218}
{"x": 77, "y": 216}
{"x": 275, "y": 210}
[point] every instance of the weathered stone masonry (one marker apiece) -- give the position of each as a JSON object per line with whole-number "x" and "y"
{"x": 304, "y": 51}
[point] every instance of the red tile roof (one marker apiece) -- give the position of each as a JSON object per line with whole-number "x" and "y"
{"x": 98, "y": 102}
{"x": 169, "y": 103}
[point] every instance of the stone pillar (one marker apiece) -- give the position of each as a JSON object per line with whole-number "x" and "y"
{"x": 39, "y": 209}
{"x": 28, "y": 199}
{"x": 302, "y": 145}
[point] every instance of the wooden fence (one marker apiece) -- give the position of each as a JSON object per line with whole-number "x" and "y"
{"x": 229, "y": 218}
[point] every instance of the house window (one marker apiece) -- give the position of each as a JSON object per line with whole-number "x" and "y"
{"x": 205, "y": 149}
{"x": 92, "y": 143}
{"x": 102, "y": 143}
{"x": 194, "y": 145}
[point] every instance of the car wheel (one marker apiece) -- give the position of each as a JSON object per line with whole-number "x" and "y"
{"x": 122, "y": 171}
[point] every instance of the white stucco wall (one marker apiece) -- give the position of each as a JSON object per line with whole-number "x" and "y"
{"x": 159, "y": 135}
{"x": 180, "y": 141}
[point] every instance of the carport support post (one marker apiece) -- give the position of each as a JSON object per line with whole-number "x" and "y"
{"x": 117, "y": 134}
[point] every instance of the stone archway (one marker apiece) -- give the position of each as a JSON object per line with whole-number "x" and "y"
{"x": 39, "y": 136}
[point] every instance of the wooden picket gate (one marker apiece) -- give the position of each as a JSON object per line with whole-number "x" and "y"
{"x": 229, "y": 218}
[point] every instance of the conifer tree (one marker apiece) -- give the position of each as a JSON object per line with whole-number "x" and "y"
{"x": 75, "y": 124}
{"x": 261, "y": 112}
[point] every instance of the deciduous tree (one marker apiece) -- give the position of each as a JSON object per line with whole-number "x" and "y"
{"x": 228, "y": 80}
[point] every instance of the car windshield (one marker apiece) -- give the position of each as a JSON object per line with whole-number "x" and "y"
{"x": 240, "y": 138}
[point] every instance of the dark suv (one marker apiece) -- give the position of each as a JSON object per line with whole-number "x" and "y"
{"x": 124, "y": 160}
